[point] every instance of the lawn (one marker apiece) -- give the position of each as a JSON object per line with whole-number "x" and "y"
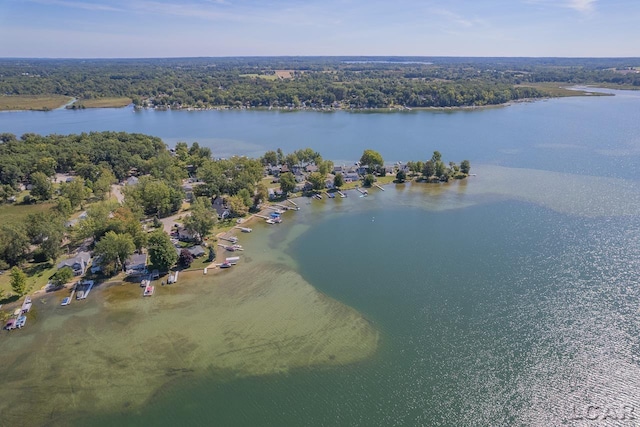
{"x": 32, "y": 102}
{"x": 103, "y": 102}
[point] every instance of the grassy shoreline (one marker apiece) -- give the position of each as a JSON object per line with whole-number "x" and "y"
{"x": 32, "y": 102}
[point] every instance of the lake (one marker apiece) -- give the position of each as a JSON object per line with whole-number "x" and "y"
{"x": 510, "y": 298}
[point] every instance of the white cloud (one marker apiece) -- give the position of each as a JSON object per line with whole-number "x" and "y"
{"x": 79, "y": 5}
{"x": 582, "y": 6}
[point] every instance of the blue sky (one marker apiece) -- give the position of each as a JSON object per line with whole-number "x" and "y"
{"x": 169, "y": 28}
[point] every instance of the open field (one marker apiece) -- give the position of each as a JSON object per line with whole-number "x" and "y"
{"x": 260, "y": 76}
{"x": 29, "y": 102}
{"x": 103, "y": 102}
{"x": 558, "y": 90}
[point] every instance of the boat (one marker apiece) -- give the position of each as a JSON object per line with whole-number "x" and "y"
{"x": 11, "y": 324}
{"x": 22, "y": 320}
{"x": 80, "y": 295}
{"x": 148, "y": 290}
{"x": 225, "y": 265}
{"x": 26, "y": 305}
{"x": 66, "y": 301}
{"x": 270, "y": 221}
{"x": 232, "y": 260}
{"x": 145, "y": 282}
{"x": 246, "y": 229}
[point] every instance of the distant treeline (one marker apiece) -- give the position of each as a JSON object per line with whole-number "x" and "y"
{"x": 348, "y": 82}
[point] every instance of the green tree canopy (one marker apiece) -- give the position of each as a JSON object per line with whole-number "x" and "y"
{"x": 316, "y": 179}
{"x": 18, "y": 281}
{"x": 162, "y": 253}
{"x": 41, "y": 186}
{"x": 287, "y": 182}
{"x": 14, "y": 243}
{"x": 237, "y": 207}
{"x": 202, "y": 219}
{"x": 465, "y": 167}
{"x": 338, "y": 180}
{"x": 371, "y": 158}
{"x": 62, "y": 276}
{"x": 114, "y": 249}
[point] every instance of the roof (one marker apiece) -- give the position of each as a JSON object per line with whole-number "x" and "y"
{"x": 81, "y": 258}
{"x": 137, "y": 259}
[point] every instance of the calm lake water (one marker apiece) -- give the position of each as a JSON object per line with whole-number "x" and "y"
{"x": 511, "y": 298}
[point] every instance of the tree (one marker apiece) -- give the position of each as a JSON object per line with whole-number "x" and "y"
{"x": 262, "y": 194}
{"x": 369, "y": 179}
{"x": 64, "y": 206}
{"x": 237, "y": 206}
{"x": 440, "y": 169}
{"x": 325, "y": 167}
{"x": 270, "y": 158}
{"x": 201, "y": 220}
{"x": 18, "y": 281}
{"x": 338, "y": 180}
{"x": 7, "y": 192}
{"x": 62, "y": 276}
{"x": 436, "y": 157}
{"x": 316, "y": 180}
{"x": 371, "y": 158}
{"x": 46, "y": 230}
{"x": 465, "y": 167}
{"x": 401, "y": 176}
{"x": 14, "y": 243}
{"x": 41, "y": 186}
{"x": 185, "y": 259}
{"x": 102, "y": 185}
{"x": 287, "y": 182}
{"x": 246, "y": 197}
{"x": 429, "y": 169}
{"x": 162, "y": 253}
{"x": 114, "y": 249}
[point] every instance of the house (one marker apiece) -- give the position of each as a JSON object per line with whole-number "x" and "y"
{"x": 78, "y": 263}
{"x": 311, "y": 168}
{"x": 96, "y": 266}
{"x": 351, "y": 177}
{"x": 195, "y": 251}
{"x": 136, "y": 264}
{"x": 338, "y": 169}
{"x": 329, "y": 184}
{"x": 221, "y": 209}
{"x": 186, "y": 235}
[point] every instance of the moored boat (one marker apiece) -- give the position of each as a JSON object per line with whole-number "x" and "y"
{"x": 66, "y": 301}
{"x": 148, "y": 290}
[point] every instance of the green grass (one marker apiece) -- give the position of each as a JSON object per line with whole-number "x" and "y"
{"x": 103, "y": 102}
{"x": 28, "y": 102}
{"x": 260, "y": 76}
{"x": 12, "y": 213}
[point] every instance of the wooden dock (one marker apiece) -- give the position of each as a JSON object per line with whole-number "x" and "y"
{"x": 378, "y": 186}
{"x": 293, "y": 203}
{"x": 363, "y": 192}
{"x": 262, "y": 216}
{"x": 231, "y": 239}
{"x": 342, "y": 194}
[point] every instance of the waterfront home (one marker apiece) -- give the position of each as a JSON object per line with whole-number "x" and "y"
{"x": 185, "y": 235}
{"x": 136, "y": 264}
{"x": 220, "y": 207}
{"x": 78, "y": 263}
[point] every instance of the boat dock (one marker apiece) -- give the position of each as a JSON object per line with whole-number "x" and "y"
{"x": 342, "y": 194}
{"x": 294, "y": 204}
{"x": 363, "y": 192}
{"x": 231, "y": 239}
{"x": 244, "y": 229}
{"x": 86, "y": 293}
{"x": 378, "y": 186}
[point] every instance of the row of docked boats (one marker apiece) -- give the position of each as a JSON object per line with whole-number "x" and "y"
{"x": 19, "y": 318}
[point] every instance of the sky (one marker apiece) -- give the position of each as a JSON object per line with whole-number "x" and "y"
{"x": 172, "y": 28}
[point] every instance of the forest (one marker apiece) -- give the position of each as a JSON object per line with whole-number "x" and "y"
{"x": 310, "y": 82}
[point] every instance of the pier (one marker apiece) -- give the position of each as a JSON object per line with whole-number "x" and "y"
{"x": 342, "y": 194}
{"x": 363, "y": 192}
{"x": 378, "y": 186}
{"x": 294, "y": 204}
{"x": 231, "y": 239}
